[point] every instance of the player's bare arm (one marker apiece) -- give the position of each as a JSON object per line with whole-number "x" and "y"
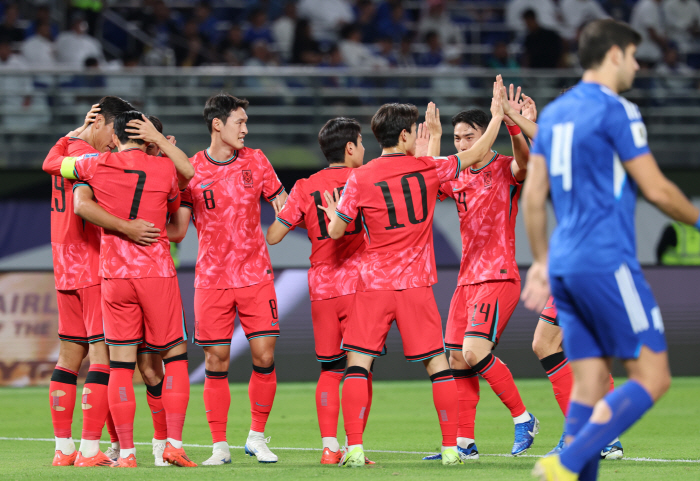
{"x": 484, "y": 144}
{"x": 179, "y": 222}
{"x": 660, "y": 191}
{"x": 146, "y": 131}
{"x": 536, "y": 290}
{"x": 278, "y": 202}
{"x": 276, "y": 232}
{"x": 521, "y": 152}
{"x": 337, "y": 226}
{"x": 140, "y": 231}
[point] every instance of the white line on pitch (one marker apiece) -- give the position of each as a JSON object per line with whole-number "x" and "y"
{"x": 652, "y": 460}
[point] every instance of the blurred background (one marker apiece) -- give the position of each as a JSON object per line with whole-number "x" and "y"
{"x": 301, "y": 63}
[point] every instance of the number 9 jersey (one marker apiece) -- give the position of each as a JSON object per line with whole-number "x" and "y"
{"x": 395, "y": 195}
{"x": 585, "y": 135}
{"x": 225, "y": 202}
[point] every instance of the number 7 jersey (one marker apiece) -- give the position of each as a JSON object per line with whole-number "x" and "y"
{"x": 225, "y": 202}
{"x": 395, "y": 195}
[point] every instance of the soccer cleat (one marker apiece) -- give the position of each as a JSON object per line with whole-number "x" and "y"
{"x": 468, "y": 453}
{"x": 178, "y": 457}
{"x": 550, "y": 468}
{"x": 61, "y": 459}
{"x": 218, "y": 457}
{"x": 112, "y": 453}
{"x": 557, "y": 449}
{"x": 331, "y": 457}
{"x": 100, "y": 459}
{"x": 369, "y": 461}
{"x": 158, "y": 449}
{"x": 525, "y": 435}
{"x": 128, "y": 462}
{"x": 612, "y": 451}
{"x": 258, "y": 447}
{"x": 353, "y": 459}
{"x": 450, "y": 457}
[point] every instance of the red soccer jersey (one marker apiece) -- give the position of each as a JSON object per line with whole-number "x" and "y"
{"x": 334, "y": 264}
{"x": 225, "y": 202}
{"x": 75, "y": 244}
{"x": 487, "y": 202}
{"x": 395, "y": 196}
{"x": 131, "y": 184}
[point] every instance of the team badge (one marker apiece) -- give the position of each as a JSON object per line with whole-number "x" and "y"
{"x": 487, "y": 180}
{"x": 248, "y": 178}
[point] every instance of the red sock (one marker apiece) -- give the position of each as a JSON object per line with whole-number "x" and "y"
{"x": 155, "y": 403}
{"x": 369, "y": 399}
{"x": 95, "y": 401}
{"x": 446, "y": 402}
{"x": 612, "y": 383}
{"x": 561, "y": 376}
{"x": 110, "y": 425}
{"x": 328, "y": 402}
{"x": 501, "y": 381}
{"x": 261, "y": 391}
{"x": 176, "y": 394}
{"x": 467, "y": 383}
{"x": 122, "y": 404}
{"x": 217, "y": 401}
{"x": 62, "y": 400}
{"x": 355, "y": 401}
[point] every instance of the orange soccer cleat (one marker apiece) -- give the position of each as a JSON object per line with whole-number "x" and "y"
{"x": 331, "y": 457}
{"x": 178, "y": 457}
{"x": 128, "y": 462}
{"x": 61, "y": 459}
{"x": 100, "y": 459}
{"x": 369, "y": 461}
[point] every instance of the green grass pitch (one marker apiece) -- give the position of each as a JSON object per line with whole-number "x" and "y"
{"x": 402, "y": 419}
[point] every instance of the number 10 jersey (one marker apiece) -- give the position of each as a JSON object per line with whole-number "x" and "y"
{"x": 395, "y": 195}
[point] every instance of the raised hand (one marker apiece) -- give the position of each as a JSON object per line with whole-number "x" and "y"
{"x": 89, "y": 118}
{"x": 529, "y": 109}
{"x": 432, "y": 120}
{"x": 512, "y": 103}
{"x": 497, "y": 101}
{"x": 422, "y": 139}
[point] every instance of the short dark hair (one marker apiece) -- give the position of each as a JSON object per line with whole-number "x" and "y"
{"x": 599, "y": 36}
{"x": 156, "y": 123}
{"x": 390, "y": 120}
{"x": 335, "y": 135}
{"x": 111, "y": 106}
{"x": 477, "y": 119}
{"x": 530, "y": 14}
{"x": 120, "y": 127}
{"x": 220, "y": 106}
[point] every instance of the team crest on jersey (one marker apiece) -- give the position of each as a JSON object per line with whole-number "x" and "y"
{"x": 487, "y": 180}
{"x": 248, "y": 178}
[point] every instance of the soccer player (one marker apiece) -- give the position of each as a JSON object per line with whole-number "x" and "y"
{"x": 132, "y": 273}
{"x": 76, "y": 247}
{"x": 591, "y": 149}
{"x": 488, "y": 289}
{"x": 334, "y": 268}
{"x": 233, "y": 271}
{"x": 395, "y": 195}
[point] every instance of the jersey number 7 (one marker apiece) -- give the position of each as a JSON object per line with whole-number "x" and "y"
{"x": 136, "y": 202}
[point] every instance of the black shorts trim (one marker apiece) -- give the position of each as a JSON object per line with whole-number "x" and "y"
{"x": 453, "y": 347}
{"x": 549, "y": 320}
{"x": 76, "y": 339}
{"x": 361, "y": 350}
{"x": 272, "y": 333}
{"x": 123, "y": 342}
{"x": 427, "y": 355}
{"x": 167, "y": 346}
{"x": 335, "y": 357}
{"x": 212, "y": 342}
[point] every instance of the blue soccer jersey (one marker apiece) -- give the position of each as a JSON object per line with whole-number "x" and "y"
{"x": 585, "y": 135}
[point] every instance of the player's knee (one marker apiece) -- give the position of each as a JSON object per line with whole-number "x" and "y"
{"x": 216, "y": 360}
{"x": 470, "y": 357}
{"x": 264, "y": 359}
{"x": 150, "y": 376}
{"x": 540, "y": 348}
{"x": 457, "y": 360}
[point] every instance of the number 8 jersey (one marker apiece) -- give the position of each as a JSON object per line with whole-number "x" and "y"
{"x": 225, "y": 202}
{"x": 395, "y": 195}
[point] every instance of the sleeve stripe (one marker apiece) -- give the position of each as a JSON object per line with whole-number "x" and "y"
{"x": 174, "y": 198}
{"x": 68, "y": 168}
{"x": 184, "y": 203}
{"x": 288, "y": 225}
{"x": 344, "y": 217}
{"x": 277, "y": 192}
{"x": 459, "y": 167}
{"x": 78, "y": 184}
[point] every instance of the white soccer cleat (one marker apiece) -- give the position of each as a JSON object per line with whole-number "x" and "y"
{"x": 112, "y": 453}
{"x": 257, "y": 446}
{"x": 158, "y": 449}
{"x": 218, "y": 457}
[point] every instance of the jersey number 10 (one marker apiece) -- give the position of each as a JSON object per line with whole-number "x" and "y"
{"x": 410, "y": 209}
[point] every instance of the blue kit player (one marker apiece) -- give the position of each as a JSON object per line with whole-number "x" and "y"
{"x": 591, "y": 149}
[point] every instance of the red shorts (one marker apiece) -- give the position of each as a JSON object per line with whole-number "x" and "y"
{"x": 416, "y": 316}
{"x": 330, "y": 316}
{"x": 215, "y": 311}
{"x": 480, "y": 310}
{"x": 147, "y": 311}
{"x": 549, "y": 313}
{"x": 80, "y": 315}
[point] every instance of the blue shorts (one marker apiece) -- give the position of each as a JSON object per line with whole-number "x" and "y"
{"x": 607, "y": 315}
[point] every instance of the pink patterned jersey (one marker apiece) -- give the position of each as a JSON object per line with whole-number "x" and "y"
{"x": 75, "y": 244}
{"x": 225, "y": 202}
{"x": 395, "y": 197}
{"x": 132, "y": 184}
{"x": 487, "y": 202}
{"x": 335, "y": 264}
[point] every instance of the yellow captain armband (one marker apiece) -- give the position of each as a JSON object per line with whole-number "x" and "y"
{"x": 68, "y": 168}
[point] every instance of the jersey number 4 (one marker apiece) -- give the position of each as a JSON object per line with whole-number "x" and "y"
{"x": 408, "y": 198}
{"x": 562, "y": 142}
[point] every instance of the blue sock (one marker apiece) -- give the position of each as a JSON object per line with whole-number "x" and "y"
{"x": 577, "y": 416}
{"x": 627, "y": 404}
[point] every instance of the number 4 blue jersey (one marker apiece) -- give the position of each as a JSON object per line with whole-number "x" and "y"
{"x": 585, "y": 135}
